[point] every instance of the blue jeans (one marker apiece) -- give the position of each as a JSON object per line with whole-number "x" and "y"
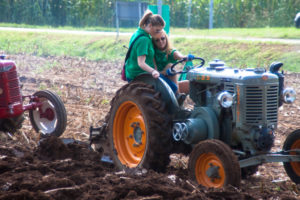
{"x": 172, "y": 85}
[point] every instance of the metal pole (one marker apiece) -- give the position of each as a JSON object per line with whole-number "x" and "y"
{"x": 140, "y": 10}
{"x": 211, "y": 14}
{"x": 159, "y": 6}
{"x": 189, "y": 14}
{"x": 117, "y": 20}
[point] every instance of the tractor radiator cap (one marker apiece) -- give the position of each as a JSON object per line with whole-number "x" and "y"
{"x": 216, "y": 63}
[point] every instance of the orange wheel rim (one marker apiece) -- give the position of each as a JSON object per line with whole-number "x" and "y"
{"x": 210, "y": 171}
{"x": 129, "y": 134}
{"x": 296, "y": 165}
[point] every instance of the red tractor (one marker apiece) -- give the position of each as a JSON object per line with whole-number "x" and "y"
{"x": 46, "y": 110}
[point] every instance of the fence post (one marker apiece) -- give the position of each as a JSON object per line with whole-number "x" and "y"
{"x": 211, "y": 14}
{"x": 189, "y": 14}
{"x": 117, "y": 20}
{"x": 159, "y": 5}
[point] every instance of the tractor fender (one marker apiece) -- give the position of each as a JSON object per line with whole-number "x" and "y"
{"x": 161, "y": 86}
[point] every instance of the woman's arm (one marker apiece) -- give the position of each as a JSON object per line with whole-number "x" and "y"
{"x": 178, "y": 56}
{"x": 147, "y": 68}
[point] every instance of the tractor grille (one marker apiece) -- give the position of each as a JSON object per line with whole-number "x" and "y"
{"x": 13, "y": 94}
{"x": 13, "y": 85}
{"x": 229, "y": 88}
{"x": 261, "y": 104}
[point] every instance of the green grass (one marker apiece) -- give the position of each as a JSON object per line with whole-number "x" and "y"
{"x": 45, "y": 44}
{"x": 90, "y": 28}
{"x": 277, "y": 32}
{"x": 283, "y": 33}
{"x": 94, "y": 47}
{"x": 242, "y": 54}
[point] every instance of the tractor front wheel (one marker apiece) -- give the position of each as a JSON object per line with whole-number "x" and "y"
{"x": 50, "y": 118}
{"x": 213, "y": 164}
{"x": 139, "y": 128}
{"x": 292, "y": 168}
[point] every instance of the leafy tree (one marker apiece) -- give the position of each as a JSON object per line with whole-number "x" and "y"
{"x": 227, "y": 13}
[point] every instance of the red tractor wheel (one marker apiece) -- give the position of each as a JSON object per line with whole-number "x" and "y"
{"x": 292, "y": 168}
{"x": 51, "y": 117}
{"x": 213, "y": 164}
{"x": 139, "y": 128}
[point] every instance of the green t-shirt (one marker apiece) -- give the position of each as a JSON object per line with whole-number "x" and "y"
{"x": 162, "y": 59}
{"x": 142, "y": 46}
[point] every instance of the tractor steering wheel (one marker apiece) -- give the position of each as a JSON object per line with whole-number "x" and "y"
{"x": 173, "y": 71}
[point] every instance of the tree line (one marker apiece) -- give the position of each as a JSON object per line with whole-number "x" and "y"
{"x": 82, "y": 13}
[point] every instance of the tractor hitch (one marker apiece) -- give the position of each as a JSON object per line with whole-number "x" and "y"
{"x": 99, "y": 142}
{"x": 96, "y": 134}
{"x": 281, "y": 156}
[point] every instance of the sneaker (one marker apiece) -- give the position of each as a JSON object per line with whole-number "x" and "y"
{"x": 180, "y": 98}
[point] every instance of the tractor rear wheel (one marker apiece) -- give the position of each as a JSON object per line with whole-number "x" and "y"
{"x": 292, "y": 168}
{"x": 50, "y": 118}
{"x": 213, "y": 164}
{"x": 139, "y": 128}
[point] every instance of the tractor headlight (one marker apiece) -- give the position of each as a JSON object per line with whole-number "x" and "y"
{"x": 288, "y": 95}
{"x": 225, "y": 99}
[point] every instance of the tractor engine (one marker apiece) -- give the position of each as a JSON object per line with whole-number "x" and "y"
{"x": 11, "y": 107}
{"x": 237, "y": 106}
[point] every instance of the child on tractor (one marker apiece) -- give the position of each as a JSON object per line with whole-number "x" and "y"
{"x": 141, "y": 58}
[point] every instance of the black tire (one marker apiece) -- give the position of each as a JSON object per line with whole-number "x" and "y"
{"x": 292, "y": 168}
{"x": 139, "y": 128}
{"x": 212, "y": 163}
{"x": 56, "y": 120}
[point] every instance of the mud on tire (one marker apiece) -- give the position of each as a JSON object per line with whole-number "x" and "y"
{"x": 139, "y": 128}
{"x": 213, "y": 164}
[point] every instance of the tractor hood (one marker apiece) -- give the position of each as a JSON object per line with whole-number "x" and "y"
{"x": 217, "y": 75}
{"x": 6, "y": 65}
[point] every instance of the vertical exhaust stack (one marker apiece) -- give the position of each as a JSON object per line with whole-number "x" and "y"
{"x": 274, "y": 68}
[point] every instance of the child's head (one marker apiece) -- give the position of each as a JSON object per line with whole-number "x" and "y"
{"x": 153, "y": 24}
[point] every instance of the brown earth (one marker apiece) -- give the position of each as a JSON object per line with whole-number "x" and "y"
{"x": 51, "y": 169}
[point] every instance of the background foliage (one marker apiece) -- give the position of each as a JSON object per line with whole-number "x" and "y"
{"x": 82, "y": 13}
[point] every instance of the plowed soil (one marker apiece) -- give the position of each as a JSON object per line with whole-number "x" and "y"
{"x": 60, "y": 168}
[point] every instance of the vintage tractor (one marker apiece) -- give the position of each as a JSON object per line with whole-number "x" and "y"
{"x": 46, "y": 110}
{"x": 227, "y": 135}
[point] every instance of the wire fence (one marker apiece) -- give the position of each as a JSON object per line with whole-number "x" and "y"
{"x": 84, "y": 13}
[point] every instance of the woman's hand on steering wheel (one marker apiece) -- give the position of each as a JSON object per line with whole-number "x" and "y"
{"x": 190, "y": 57}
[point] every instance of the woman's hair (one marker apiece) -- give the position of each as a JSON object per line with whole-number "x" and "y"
{"x": 150, "y": 18}
{"x": 168, "y": 48}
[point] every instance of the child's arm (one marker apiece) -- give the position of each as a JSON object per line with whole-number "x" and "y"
{"x": 142, "y": 63}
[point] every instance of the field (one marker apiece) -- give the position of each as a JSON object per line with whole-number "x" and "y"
{"x": 236, "y": 47}
{"x": 50, "y": 169}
